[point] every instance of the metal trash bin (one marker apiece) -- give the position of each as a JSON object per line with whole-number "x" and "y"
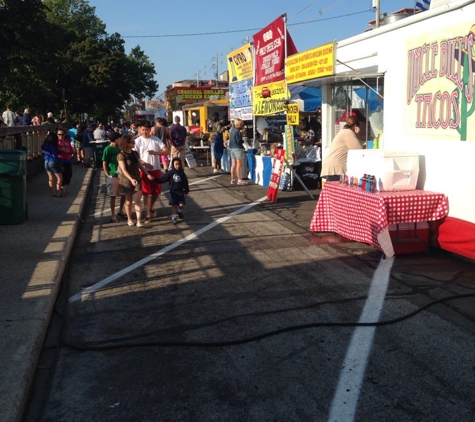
{"x": 98, "y": 148}
{"x": 13, "y": 207}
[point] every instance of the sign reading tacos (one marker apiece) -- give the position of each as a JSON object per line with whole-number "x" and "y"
{"x": 440, "y": 81}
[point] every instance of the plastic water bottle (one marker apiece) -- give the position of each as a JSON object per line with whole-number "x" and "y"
{"x": 372, "y": 183}
{"x": 368, "y": 183}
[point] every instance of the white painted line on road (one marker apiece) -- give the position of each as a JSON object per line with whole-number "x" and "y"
{"x": 107, "y": 211}
{"x": 92, "y": 289}
{"x": 344, "y": 405}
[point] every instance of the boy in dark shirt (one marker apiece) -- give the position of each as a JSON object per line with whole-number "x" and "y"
{"x": 178, "y": 185}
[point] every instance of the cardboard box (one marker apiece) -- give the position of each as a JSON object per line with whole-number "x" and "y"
{"x": 394, "y": 170}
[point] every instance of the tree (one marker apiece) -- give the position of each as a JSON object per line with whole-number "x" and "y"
{"x": 100, "y": 76}
{"x": 59, "y": 56}
{"x": 27, "y": 45}
{"x": 141, "y": 73}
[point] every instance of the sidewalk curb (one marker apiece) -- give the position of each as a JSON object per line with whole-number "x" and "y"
{"x": 34, "y": 339}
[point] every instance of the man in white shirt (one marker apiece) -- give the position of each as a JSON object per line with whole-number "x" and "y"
{"x": 150, "y": 148}
{"x": 100, "y": 133}
{"x": 8, "y": 117}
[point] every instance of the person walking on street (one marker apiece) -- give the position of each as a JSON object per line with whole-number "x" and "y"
{"x": 129, "y": 178}
{"x": 78, "y": 144}
{"x": 217, "y": 142}
{"x": 236, "y": 151}
{"x": 110, "y": 166}
{"x": 161, "y": 131}
{"x": 178, "y": 186}
{"x": 178, "y": 138}
{"x": 150, "y": 149}
{"x": 133, "y": 130}
{"x": 87, "y": 152}
{"x": 52, "y": 165}
{"x": 65, "y": 155}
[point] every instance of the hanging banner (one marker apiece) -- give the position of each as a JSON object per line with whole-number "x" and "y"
{"x": 240, "y": 63}
{"x": 270, "y": 99}
{"x": 240, "y": 100}
{"x": 293, "y": 114}
{"x": 311, "y": 64}
{"x": 270, "y": 51}
{"x": 275, "y": 175}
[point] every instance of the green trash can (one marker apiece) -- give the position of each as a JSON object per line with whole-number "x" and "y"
{"x": 13, "y": 208}
{"x": 98, "y": 148}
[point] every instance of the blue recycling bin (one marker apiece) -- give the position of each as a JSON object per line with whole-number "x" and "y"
{"x": 13, "y": 207}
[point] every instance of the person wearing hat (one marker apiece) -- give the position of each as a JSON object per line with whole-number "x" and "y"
{"x": 334, "y": 162}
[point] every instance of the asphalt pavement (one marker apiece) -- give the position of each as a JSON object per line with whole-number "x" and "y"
{"x": 35, "y": 257}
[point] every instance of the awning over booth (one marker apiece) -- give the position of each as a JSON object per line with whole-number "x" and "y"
{"x": 308, "y": 98}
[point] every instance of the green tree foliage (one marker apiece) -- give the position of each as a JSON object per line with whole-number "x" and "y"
{"x": 62, "y": 59}
{"x": 27, "y": 44}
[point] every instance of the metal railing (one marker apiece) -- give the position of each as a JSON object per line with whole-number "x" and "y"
{"x": 26, "y": 138}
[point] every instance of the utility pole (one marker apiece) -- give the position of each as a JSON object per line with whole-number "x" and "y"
{"x": 217, "y": 71}
{"x": 198, "y": 78}
{"x": 377, "y": 8}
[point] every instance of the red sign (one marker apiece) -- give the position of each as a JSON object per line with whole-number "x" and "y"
{"x": 195, "y": 130}
{"x": 271, "y": 52}
{"x": 275, "y": 175}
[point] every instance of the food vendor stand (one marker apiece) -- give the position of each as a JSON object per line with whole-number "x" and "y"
{"x": 411, "y": 82}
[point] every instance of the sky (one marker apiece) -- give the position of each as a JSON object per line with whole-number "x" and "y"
{"x": 188, "y": 39}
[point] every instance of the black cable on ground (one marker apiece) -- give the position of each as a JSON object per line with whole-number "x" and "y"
{"x": 106, "y": 344}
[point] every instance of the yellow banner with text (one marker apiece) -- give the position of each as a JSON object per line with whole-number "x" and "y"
{"x": 240, "y": 63}
{"x": 270, "y": 99}
{"x": 311, "y": 64}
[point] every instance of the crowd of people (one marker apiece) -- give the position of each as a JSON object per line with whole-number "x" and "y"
{"x": 14, "y": 118}
{"x": 138, "y": 159}
{"x": 135, "y": 162}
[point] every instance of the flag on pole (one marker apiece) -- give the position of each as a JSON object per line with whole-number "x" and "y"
{"x": 423, "y": 4}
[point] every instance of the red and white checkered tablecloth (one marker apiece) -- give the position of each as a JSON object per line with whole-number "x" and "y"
{"x": 365, "y": 216}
